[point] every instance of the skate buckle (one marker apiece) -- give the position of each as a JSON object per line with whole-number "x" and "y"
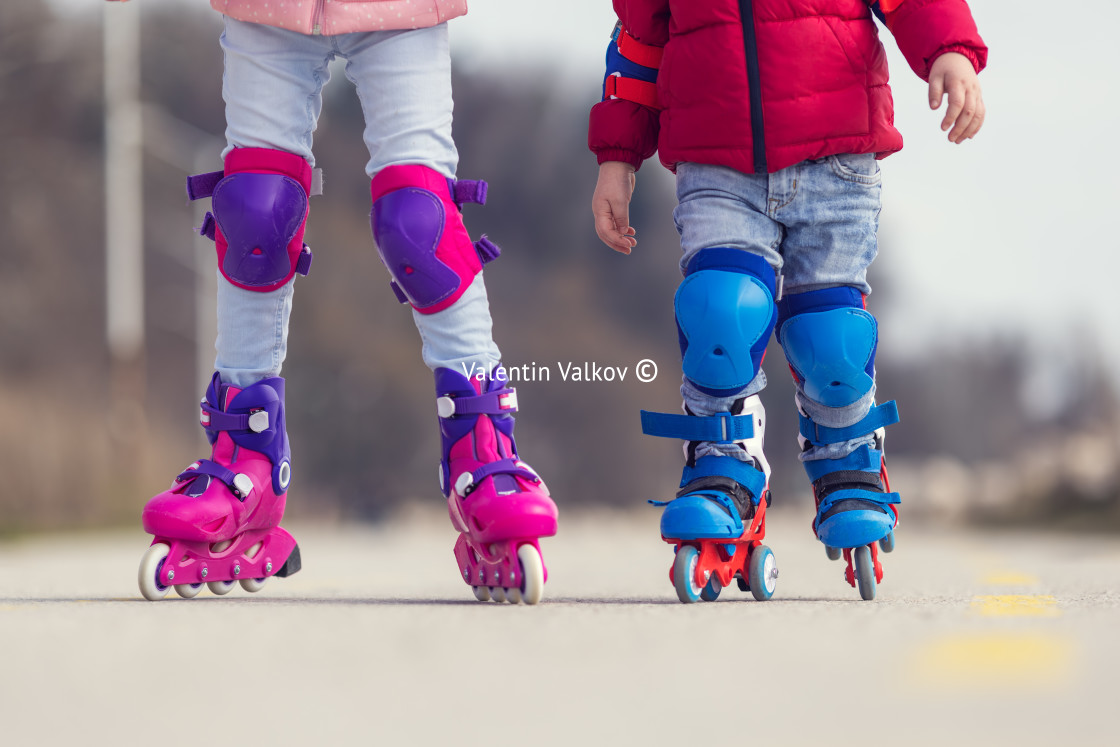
{"x": 445, "y": 407}
{"x": 243, "y": 484}
{"x": 258, "y": 421}
{"x": 465, "y": 484}
{"x": 508, "y": 401}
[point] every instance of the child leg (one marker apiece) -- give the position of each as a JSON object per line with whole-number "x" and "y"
{"x": 497, "y": 502}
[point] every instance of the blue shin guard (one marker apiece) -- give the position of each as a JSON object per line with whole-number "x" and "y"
{"x": 725, "y": 314}
{"x": 830, "y": 342}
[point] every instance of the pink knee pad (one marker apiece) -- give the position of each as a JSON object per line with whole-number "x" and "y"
{"x": 260, "y": 206}
{"x": 421, "y": 238}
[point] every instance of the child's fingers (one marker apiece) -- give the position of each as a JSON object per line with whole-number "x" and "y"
{"x": 955, "y": 89}
{"x": 936, "y": 91}
{"x": 976, "y": 123}
{"x": 971, "y": 111}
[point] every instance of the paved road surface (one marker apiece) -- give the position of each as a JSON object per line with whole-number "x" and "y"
{"x": 1002, "y": 639}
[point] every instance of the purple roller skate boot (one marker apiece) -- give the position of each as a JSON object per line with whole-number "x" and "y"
{"x": 219, "y": 522}
{"x": 499, "y": 505}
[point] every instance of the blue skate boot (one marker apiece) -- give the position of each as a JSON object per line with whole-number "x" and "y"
{"x": 830, "y": 342}
{"x": 725, "y": 314}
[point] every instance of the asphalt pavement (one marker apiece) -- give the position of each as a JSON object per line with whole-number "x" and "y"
{"x": 974, "y": 638}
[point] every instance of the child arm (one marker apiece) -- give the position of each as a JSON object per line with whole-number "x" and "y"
{"x": 942, "y": 45}
{"x": 623, "y": 127}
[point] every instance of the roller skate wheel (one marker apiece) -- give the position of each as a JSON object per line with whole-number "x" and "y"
{"x": 150, "y": 566}
{"x": 763, "y": 572}
{"x": 513, "y": 596}
{"x": 833, "y": 553}
{"x": 253, "y": 585}
{"x": 481, "y": 593}
{"x": 498, "y": 594}
{"x": 865, "y": 572}
{"x": 684, "y": 574}
{"x": 221, "y": 588}
{"x": 188, "y": 591}
{"x": 532, "y": 574}
{"x": 887, "y": 543}
{"x": 711, "y": 590}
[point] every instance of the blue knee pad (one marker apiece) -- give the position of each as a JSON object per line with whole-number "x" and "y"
{"x": 725, "y": 313}
{"x": 830, "y": 342}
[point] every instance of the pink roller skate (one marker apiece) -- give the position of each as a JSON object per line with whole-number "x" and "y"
{"x": 498, "y": 503}
{"x": 218, "y": 523}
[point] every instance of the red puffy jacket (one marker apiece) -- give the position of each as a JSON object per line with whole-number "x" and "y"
{"x": 759, "y": 85}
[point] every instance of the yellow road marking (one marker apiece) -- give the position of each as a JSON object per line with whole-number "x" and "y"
{"x": 1016, "y": 605}
{"x": 1002, "y": 660}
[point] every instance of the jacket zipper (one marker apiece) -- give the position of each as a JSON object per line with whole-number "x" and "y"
{"x": 750, "y": 45}
{"x": 317, "y": 17}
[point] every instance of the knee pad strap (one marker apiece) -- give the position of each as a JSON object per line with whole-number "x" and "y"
{"x": 260, "y": 206}
{"x": 421, "y": 238}
{"x": 725, "y": 314}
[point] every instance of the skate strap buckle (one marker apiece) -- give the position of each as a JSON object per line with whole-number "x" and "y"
{"x": 721, "y": 428}
{"x": 214, "y": 419}
{"x": 487, "y": 250}
{"x": 239, "y": 483}
{"x": 879, "y": 416}
{"x": 468, "y": 481}
{"x": 303, "y": 264}
{"x": 497, "y": 402}
{"x": 854, "y": 494}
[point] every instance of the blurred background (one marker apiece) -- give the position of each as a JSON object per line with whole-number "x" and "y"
{"x": 994, "y": 287}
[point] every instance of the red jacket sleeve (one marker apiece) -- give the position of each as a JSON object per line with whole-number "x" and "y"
{"x": 621, "y": 130}
{"x": 926, "y": 29}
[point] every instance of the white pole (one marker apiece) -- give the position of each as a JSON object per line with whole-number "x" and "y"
{"x": 124, "y": 200}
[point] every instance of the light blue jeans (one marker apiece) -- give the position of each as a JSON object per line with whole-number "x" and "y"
{"x": 272, "y": 85}
{"x": 814, "y": 222}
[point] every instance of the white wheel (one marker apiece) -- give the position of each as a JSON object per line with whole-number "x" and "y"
{"x": 498, "y": 594}
{"x": 481, "y": 593}
{"x": 532, "y": 574}
{"x": 253, "y": 585}
{"x": 148, "y": 576}
{"x": 188, "y": 591}
{"x": 221, "y": 588}
{"x": 513, "y": 596}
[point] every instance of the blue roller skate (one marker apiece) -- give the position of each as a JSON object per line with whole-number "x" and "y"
{"x": 725, "y": 314}
{"x": 830, "y": 342}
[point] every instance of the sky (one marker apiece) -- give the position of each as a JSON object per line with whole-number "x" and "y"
{"x": 1011, "y": 232}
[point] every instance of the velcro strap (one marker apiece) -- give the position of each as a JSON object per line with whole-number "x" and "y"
{"x": 497, "y": 402}
{"x": 398, "y": 292}
{"x": 202, "y": 185}
{"x": 879, "y": 499}
{"x": 303, "y": 264}
{"x": 639, "y": 91}
{"x": 721, "y": 428}
{"x": 500, "y": 467}
{"x": 646, "y": 55}
{"x": 487, "y": 250}
{"x": 208, "y": 467}
{"x": 208, "y": 227}
{"x": 467, "y": 190}
{"x": 730, "y": 467}
{"x": 877, "y": 417}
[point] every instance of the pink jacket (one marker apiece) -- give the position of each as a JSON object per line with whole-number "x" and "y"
{"x": 331, "y": 17}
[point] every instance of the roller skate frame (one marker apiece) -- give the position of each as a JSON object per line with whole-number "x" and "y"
{"x": 251, "y": 559}
{"x": 504, "y": 571}
{"x": 702, "y": 568}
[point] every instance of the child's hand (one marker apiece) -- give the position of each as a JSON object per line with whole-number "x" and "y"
{"x": 952, "y": 73}
{"x": 611, "y": 205}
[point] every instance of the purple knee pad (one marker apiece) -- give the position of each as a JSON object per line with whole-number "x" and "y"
{"x": 259, "y": 213}
{"x": 421, "y": 238}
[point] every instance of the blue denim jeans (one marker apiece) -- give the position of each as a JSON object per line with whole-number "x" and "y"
{"x": 272, "y": 85}
{"x": 814, "y": 222}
